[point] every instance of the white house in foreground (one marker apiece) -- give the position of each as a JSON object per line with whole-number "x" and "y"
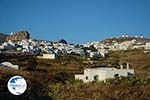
{"x": 101, "y": 74}
{"x": 9, "y": 65}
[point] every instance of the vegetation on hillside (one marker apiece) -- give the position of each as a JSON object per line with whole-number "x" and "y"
{"x": 54, "y": 79}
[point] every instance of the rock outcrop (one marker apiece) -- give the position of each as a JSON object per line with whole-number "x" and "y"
{"x": 18, "y": 36}
{"x": 3, "y": 37}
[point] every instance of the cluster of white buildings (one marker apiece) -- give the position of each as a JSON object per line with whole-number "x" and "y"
{"x": 114, "y": 45}
{"x": 46, "y": 47}
{"x": 29, "y": 46}
{"x": 136, "y": 36}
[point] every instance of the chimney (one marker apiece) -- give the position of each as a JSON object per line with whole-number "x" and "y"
{"x": 128, "y": 66}
{"x": 121, "y": 66}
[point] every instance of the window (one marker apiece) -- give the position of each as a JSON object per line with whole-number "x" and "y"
{"x": 95, "y": 77}
{"x": 116, "y": 75}
{"x": 130, "y": 74}
{"x": 86, "y": 77}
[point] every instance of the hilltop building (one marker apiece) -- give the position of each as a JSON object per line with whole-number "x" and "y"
{"x": 141, "y": 36}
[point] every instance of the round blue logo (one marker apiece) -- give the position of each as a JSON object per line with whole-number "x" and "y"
{"x": 17, "y": 85}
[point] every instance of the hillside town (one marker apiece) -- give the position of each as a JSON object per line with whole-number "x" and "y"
{"x": 59, "y": 67}
{"x": 75, "y": 50}
{"x": 20, "y": 42}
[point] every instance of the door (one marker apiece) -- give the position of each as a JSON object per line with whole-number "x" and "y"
{"x": 96, "y": 78}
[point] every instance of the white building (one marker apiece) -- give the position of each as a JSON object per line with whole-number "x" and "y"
{"x": 141, "y": 36}
{"x": 9, "y": 65}
{"x": 47, "y": 56}
{"x": 94, "y": 54}
{"x": 136, "y": 36}
{"x": 147, "y": 46}
{"x": 123, "y": 36}
{"x": 126, "y": 35}
{"x": 103, "y": 52}
{"x": 101, "y": 74}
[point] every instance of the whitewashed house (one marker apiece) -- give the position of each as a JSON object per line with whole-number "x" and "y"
{"x": 94, "y": 54}
{"x": 103, "y": 52}
{"x": 9, "y": 65}
{"x": 79, "y": 51}
{"x": 147, "y": 46}
{"x": 101, "y": 74}
{"x": 47, "y": 56}
{"x": 6, "y": 45}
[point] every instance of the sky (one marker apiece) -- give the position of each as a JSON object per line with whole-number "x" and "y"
{"x": 77, "y": 21}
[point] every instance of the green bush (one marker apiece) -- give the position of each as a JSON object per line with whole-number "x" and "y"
{"x": 63, "y": 76}
{"x": 31, "y": 64}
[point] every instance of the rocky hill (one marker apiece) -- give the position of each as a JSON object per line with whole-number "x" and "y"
{"x": 122, "y": 39}
{"x": 3, "y": 37}
{"x": 17, "y": 36}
